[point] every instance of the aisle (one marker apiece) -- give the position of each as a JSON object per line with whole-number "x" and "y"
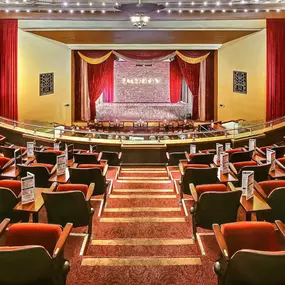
{"x": 143, "y": 236}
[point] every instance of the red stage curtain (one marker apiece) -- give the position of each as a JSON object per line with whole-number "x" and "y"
{"x": 191, "y": 74}
{"x": 275, "y": 105}
{"x": 109, "y": 87}
{"x": 210, "y": 101}
{"x": 77, "y": 86}
{"x": 8, "y": 68}
{"x": 98, "y": 78}
{"x": 144, "y": 54}
{"x": 175, "y": 82}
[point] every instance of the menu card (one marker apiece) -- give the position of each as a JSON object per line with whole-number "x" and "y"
{"x": 192, "y": 148}
{"x": 56, "y": 146}
{"x": 252, "y": 145}
{"x": 28, "y": 188}
{"x": 248, "y": 184}
{"x": 61, "y": 164}
{"x": 30, "y": 149}
{"x": 228, "y": 146}
{"x": 219, "y": 149}
{"x": 270, "y": 158}
{"x": 224, "y": 162}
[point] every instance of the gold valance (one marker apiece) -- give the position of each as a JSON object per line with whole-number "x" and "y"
{"x": 95, "y": 60}
{"x": 192, "y": 60}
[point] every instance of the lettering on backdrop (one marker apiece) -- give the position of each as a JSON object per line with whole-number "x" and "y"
{"x": 143, "y": 80}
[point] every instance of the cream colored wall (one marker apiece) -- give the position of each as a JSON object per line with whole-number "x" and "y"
{"x": 39, "y": 55}
{"x": 245, "y": 54}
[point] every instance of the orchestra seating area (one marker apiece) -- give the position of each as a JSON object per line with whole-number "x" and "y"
{"x": 184, "y": 222}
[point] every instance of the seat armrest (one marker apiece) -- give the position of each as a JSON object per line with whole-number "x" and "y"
{"x": 90, "y": 191}
{"x": 100, "y": 156}
{"x": 120, "y": 155}
{"x": 181, "y": 168}
{"x": 260, "y": 151}
{"x": 281, "y": 227}
{"x": 231, "y": 186}
{"x": 233, "y": 169}
{"x": 193, "y": 192}
{"x": 280, "y": 165}
{"x": 53, "y": 170}
{"x": 4, "y": 225}
{"x": 221, "y": 241}
{"x": 105, "y": 169}
{"x": 8, "y": 164}
{"x": 53, "y": 186}
{"x": 62, "y": 240}
{"x": 167, "y": 155}
{"x": 259, "y": 189}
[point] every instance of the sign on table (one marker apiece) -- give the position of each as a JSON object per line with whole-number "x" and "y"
{"x": 28, "y": 188}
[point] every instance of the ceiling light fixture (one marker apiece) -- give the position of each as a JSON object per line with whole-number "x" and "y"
{"x": 180, "y": 11}
{"x": 191, "y": 11}
{"x": 234, "y": 10}
{"x": 65, "y": 4}
{"x": 213, "y": 11}
{"x": 205, "y": 3}
{"x": 218, "y": 3}
{"x": 103, "y": 11}
{"x": 139, "y": 20}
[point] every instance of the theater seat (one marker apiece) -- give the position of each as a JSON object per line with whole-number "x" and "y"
{"x": 196, "y": 166}
{"x": 239, "y": 165}
{"x": 14, "y": 185}
{"x": 72, "y": 187}
{"x": 49, "y": 167}
{"x": 33, "y": 254}
{"x": 213, "y": 204}
{"x": 282, "y": 161}
{"x": 251, "y": 253}
{"x": 99, "y": 166}
{"x": 4, "y": 161}
{"x": 57, "y": 152}
{"x": 269, "y": 186}
{"x": 233, "y": 150}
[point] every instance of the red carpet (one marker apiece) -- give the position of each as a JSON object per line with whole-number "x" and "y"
{"x": 158, "y": 250}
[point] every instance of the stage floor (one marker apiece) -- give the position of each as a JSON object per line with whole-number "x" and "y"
{"x": 144, "y": 111}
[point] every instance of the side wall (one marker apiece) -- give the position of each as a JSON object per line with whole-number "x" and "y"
{"x": 245, "y": 54}
{"x": 39, "y": 55}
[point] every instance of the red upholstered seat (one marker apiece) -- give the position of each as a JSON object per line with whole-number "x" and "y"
{"x": 263, "y": 148}
{"x": 282, "y": 160}
{"x": 20, "y": 147}
{"x": 3, "y": 161}
{"x": 83, "y": 151}
{"x": 230, "y": 151}
{"x": 196, "y": 166}
{"x": 190, "y": 155}
{"x": 92, "y": 153}
{"x": 23, "y": 234}
{"x": 269, "y": 186}
{"x": 13, "y": 185}
{"x": 72, "y": 187}
{"x": 100, "y": 166}
{"x": 200, "y": 189}
{"x": 239, "y": 165}
{"x": 48, "y": 166}
{"x": 57, "y": 152}
{"x": 250, "y": 235}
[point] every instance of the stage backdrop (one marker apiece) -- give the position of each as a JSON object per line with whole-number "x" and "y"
{"x": 136, "y": 83}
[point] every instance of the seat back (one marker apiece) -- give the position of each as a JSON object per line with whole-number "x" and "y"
{"x": 279, "y": 151}
{"x": 202, "y": 158}
{"x": 250, "y": 267}
{"x": 85, "y": 158}
{"x": 7, "y": 151}
{"x": 59, "y": 204}
{"x": 46, "y": 157}
{"x": 87, "y": 176}
{"x": 241, "y": 156}
{"x": 112, "y": 157}
{"x": 276, "y": 200}
{"x": 217, "y": 208}
{"x": 198, "y": 176}
{"x": 41, "y": 173}
{"x": 8, "y": 201}
{"x": 175, "y": 157}
{"x": 25, "y": 265}
{"x": 260, "y": 172}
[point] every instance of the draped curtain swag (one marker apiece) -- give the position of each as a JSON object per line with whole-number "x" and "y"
{"x": 184, "y": 64}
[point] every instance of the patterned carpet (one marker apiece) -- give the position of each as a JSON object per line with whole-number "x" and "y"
{"x": 143, "y": 236}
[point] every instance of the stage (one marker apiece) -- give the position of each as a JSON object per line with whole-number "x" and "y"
{"x": 144, "y": 111}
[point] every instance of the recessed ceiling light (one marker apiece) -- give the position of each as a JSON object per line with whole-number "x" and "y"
{"x": 180, "y": 11}
{"x": 103, "y": 4}
{"x": 169, "y": 11}
{"x": 158, "y": 11}
{"x": 202, "y": 11}
{"x": 256, "y": 10}
{"x": 82, "y": 11}
{"x": 267, "y": 10}
{"x": 90, "y": 4}
{"x": 78, "y": 4}
{"x": 166, "y": 4}
{"x": 7, "y": 11}
{"x": 234, "y": 10}
{"x": 278, "y": 10}
{"x": 205, "y": 3}
{"x": 245, "y": 10}
{"x": 213, "y": 11}
{"x": 17, "y": 11}
{"x": 7, "y": 1}
{"x": 193, "y": 3}
{"x": 28, "y": 11}
{"x": 65, "y": 4}
{"x": 179, "y": 3}
{"x": 59, "y": 11}
{"x": 92, "y": 11}
{"x": 49, "y": 10}
{"x": 230, "y": 3}
{"x": 71, "y": 11}
{"x": 24, "y": 1}
{"x": 224, "y": 10}
{"x": 218, "y": 3}
{"x": 191, "y": 11}
{"x": 117, "y": 4}
{"x": 103, "y": 11}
